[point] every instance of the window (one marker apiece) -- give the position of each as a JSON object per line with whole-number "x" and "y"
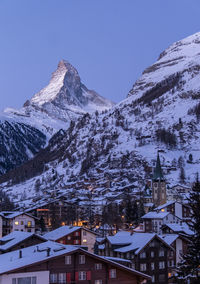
{"x": 170, "y": 263}
{"x": 29, "y": 223}
{"x": 77, "y": 234}
{"x": 84, "y": 233}
{"x": 161, "y": 252}
{"x": 152, "y": 254}
{"x": 152, "y": 265}
{"x": 143, "y": 255}
{"x": 153, "y": 278}
{"x": 161, "y": 278}
{"x": 98, "y": 266}
{"x": 112, "y": 273}
{"x": 22, "y": 223}
{"x": 62, "y": 278}
{"x": 24, "y": 280}
{"x": 53, "y": 278}
{"x": 82, "y": 275}
{"x": 69, "y": 238}
{"x": 76, "y": 242}
{"x": 98, "y": 282}
{"x": 82, "y": 259}
{"x": 84, "y": 241}
{"x": 16, "y": 223}
{"x": 143, "y": 267}
{"x": 161, "y": 264}
{"x": 68, "y": 259}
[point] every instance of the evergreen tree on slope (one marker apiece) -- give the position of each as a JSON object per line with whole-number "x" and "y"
{"x": 189, "y": 268}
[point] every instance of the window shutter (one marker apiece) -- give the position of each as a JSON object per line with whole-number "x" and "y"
{"x": 88, "y": 275}
{"x": 74, "y": 242}
{"x": 68, "y": 277}
{"x": 76, "y": 276}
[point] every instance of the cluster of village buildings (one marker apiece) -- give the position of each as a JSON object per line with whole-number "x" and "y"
{"x": 76, "y": 253}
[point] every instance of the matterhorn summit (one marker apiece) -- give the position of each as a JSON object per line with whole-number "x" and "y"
{"x": 65, "y": 98}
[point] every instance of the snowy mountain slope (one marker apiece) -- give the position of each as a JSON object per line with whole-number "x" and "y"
{"x": 65, "y": 98}
{"x": 52, "y": 109}
{"x": 18, "y": 143}
{"x": 161, "y": 112}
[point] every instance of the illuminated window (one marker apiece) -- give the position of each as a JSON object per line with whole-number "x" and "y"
{"x": 84, "y": 241}
{"x": 16, "y": 222}
{"x": 163, "y": 210}
{"x": 29, "y": 223}
{"x": 22, "y": 223}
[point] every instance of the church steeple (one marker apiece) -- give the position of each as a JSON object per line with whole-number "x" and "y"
{"x": 158, "y": 185}
{"x": 158, "y": 175}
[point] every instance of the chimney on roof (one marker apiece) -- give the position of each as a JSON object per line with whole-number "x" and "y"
{"x": 48, "y": 251}
{"x": 20, "y": 254}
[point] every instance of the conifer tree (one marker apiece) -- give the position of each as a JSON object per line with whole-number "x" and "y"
{"x": 189, "y": 268}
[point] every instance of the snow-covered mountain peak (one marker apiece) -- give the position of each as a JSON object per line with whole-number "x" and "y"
{"x": 65, "y": 98}
{"x": 181, "y": 59}
{"x": 49, "y": 93}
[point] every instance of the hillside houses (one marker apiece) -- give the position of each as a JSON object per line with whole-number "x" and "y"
{"x": 11, "y": 221}
{"x": 51, "y": 262}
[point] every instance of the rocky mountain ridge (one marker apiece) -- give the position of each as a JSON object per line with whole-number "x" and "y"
{"x": 160, "y": 113}
{"x": 65, "y": 99}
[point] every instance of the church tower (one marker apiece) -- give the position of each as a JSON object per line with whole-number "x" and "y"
{"x": 158, "y": 185}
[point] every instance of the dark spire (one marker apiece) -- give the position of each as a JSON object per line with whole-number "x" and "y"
{"x": 158, "y": 175}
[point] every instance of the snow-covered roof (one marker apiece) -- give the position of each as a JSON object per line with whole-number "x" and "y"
{"x": 60, "y": 232}
{"x": 165, "y": 205}
{"x": 15, "y": 238}
{"x": 155, "y": 215}
{"x": 30, "y": 255}
{"x": 36, "y": 254}
{"x": 138, "y": 242}
{"x": 169, "y": 239}
{"x": 180, "y": 228}
{"x": 120, "y": 238}
{"x": 13, "y": 214}
{"x": 117, "y": 259}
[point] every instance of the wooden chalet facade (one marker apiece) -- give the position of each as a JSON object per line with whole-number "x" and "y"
{"x": 151, "y": 257}
{"x": 75, "y": 266}
{"x": 70, "y": 235}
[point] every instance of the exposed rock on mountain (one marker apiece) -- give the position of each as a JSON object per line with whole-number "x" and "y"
{"x": 161, "y": 112}
{"x": 18, "y": 143}
{"x": 23, "y": 132}
{"x": 65, "y": 98}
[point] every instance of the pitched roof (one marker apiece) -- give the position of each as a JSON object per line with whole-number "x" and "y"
{"x": 60, "y": 232}
{"x": 16, "y": 237}
{"x": 10, "y": 262}
{"x": 13, "y": 214}
{"x": 165, "y": 205}
{"x": 169, "y": 239}
{"x": 31, "y": 255}
{"x": 180, "y": 228}
{"x": 138, "y": 242}
{"x": 155, "y": 215}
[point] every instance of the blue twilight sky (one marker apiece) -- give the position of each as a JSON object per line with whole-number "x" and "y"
{"x": 110, "y": 42}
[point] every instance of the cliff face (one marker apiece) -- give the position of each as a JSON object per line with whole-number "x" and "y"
{"x": 161, "y": 113}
